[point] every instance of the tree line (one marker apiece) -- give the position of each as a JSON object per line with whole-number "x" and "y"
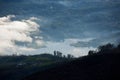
{"x": 107, "y": 48}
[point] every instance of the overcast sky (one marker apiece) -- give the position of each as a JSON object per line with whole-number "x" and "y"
{"x": 69, "y": 26}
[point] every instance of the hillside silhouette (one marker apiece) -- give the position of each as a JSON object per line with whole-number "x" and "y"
{"x": 16, "y": 67}
{"x": 103, "y": 64}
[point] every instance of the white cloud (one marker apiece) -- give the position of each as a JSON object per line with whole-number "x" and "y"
{"x": 14, "y": 30}
{"x": 66, "y": 48}
{"x": 39, "y": 42}
{"x": 82, "y": 51}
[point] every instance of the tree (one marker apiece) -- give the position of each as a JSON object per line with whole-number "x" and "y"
{"x": 91, "y": 52}
{"x": 118, "y": 46}
{"x": 69, "y": 56}
{"x": 55, "y": 53}
{"x": 106, "y": 47}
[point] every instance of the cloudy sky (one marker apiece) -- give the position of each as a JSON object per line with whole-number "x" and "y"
{"x": 69, "y": 26}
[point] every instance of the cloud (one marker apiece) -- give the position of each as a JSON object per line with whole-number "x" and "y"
{"x": 95, "y": 42}
{"x": 65, "y": 3}
{"x": 65, "y": 47}
{"x": 12, "y": 31}
{"x": 81, "y": 51}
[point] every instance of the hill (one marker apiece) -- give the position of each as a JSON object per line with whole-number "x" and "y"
{"x": 16, "y": 67}
{"x": 92, "y": 67}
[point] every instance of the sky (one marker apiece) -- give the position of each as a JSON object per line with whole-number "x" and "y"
{"x": 70, "y": 26}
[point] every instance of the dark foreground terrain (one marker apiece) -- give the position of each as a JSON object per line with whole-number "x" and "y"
{"x": 93, "y": 67}
{"x": 17, "y": 67}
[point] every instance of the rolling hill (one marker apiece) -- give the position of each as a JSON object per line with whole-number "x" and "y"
{"x": 16, "y": 67}
{"x": 92, "y": 67}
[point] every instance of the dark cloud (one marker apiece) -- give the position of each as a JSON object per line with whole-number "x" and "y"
{"x": 61, "y": 19}
{"x": 111, "y": 38}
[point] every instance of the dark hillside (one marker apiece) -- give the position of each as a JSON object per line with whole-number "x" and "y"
{"x": 93, "y": 67}
{"x": 16, "y": 67}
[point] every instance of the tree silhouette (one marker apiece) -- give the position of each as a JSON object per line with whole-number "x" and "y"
{"x": 118, "y": 46}
{"x": 91, "y": 52}
{"x": 105, "y": 48}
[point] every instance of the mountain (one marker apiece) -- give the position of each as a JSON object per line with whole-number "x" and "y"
{"x": 92, "y": 67}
